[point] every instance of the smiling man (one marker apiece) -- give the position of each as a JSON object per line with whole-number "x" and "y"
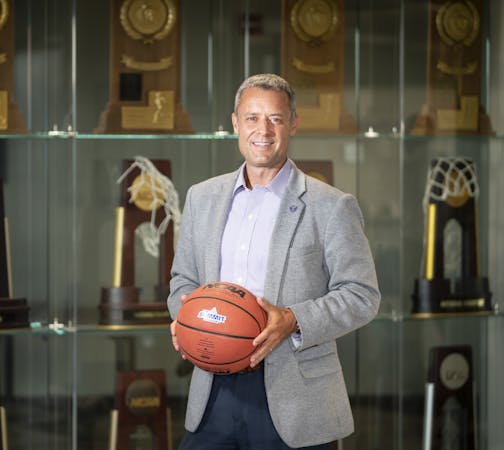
{"x": 298, "y": 244}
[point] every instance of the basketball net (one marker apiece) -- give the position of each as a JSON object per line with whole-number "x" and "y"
{"x": 451, "y": 178}
{"x": 164, "y": 195}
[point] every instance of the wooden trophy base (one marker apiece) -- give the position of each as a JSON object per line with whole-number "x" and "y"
{"x": 120, "y": 306}
{"x": 123, "y": 119}
{"x": 451, "y": 122}
{"x": 11, "y": 119}
{"x": 435, "y": 298}
{"x": 13, "y": 313}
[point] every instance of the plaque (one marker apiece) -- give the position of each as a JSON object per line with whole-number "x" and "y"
{"x": 141, "y": 203}
{"x": 144, "y": 69}
{"x": 11, "y": 119}
{"x": 141, "y": 419}
{"x": 13, "y": 311}
{"x": 451, "y": 242}
{"x": 3, "y": 430}
{"x": 454, "y": 69}
{"x": 313, "y": 63}
{"x": 449, "y": 407}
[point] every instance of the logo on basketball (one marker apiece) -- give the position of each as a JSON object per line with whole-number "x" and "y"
{"x": 211, "y": 315}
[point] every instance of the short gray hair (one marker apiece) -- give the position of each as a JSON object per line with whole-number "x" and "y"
{"x": 268, "y": 81}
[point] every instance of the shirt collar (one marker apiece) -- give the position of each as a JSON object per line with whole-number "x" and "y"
{"x": 277, "y": 185}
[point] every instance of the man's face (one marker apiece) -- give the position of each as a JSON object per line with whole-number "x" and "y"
{"x": 263, "y": 125}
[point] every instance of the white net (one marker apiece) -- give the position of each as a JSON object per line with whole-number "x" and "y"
{"x": 451, "y": 178}
{"x": 162, "y": 195}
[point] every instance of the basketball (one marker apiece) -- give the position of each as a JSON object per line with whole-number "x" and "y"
{"x": 216, "y": 325}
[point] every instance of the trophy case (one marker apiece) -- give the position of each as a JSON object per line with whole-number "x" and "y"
{"x": 58, "y": 374}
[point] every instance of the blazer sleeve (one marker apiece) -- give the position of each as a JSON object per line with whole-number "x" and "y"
{"x": 352, "y": 296}
{"x": 184, "y": 272}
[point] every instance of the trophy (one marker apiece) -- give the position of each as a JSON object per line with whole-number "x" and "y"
{"x": 13, "y": 311}
{"x": 313, "y": 62}
{"x": 453, "y": 104}
{"x": 451, "y": 230}
{"x": 149, "y": 209}
{"x": 144, "y": 69}
{"x": 449, "y": 416}
{"x": 11, "y": 120}
{"x": 141, "y": 418}
{"x": 3, "y": 429}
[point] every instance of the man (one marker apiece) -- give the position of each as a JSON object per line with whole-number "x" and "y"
{"x": 297, "y": 244}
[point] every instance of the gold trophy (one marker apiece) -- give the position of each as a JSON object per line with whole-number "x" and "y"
{"x": 149, "y": 208}
{"x": 313, "y": 62}
{"x": 451, "y": 229}
{"x": 11, "y": 119}
{"x": 144, "y": 69}
{"x": 453, "y": 103}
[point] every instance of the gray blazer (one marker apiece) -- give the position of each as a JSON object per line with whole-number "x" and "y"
{"x": 320, "y": 266}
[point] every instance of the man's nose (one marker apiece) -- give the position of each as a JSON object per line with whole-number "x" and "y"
{"x": 264, "y": 125}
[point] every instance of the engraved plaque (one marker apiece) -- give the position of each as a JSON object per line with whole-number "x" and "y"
{"x": 11, "y": 119}
{"x": 120, "y": 304}
{"x": 144, "y": 69}
{"x": 454, "y": 104}
{"x": 141, "y": 418}
{"x": 313, "y": 63}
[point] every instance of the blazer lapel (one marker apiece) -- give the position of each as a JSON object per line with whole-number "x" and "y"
{"x": 289, "y": 215}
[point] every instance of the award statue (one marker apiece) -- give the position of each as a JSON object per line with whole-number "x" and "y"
{"x": 313, "y": 62}
{"x": 141, "y": 418}
{"x": 451, "y": 229}
{"x": 150, "y": 209}
{"x": 13, "y": 311}
{"x": 144, "y": 69}
{"x": 453, "y": 103}
{"x": 449, "y": 415}
{"x": 11, "y": 120}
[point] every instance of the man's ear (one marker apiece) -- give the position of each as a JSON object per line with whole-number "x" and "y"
{"x": 234, "y": 120}
{"x": 294, "y": 125}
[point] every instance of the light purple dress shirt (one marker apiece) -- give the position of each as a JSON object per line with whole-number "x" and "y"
{"x": 247, "y": 235}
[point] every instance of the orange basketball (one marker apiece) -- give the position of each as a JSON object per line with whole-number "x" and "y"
{"x": 216, "y": 326}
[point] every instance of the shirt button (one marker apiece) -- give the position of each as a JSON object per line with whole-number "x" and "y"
{"x": 242, "y": 247}
{"x": 250, "y": 216}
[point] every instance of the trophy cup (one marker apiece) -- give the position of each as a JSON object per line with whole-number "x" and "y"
{"x": 141, "y": 418}
{"x": 149, "y": 208}
{"x": 144, "y": 69}
{"x": 13, "y": 311}
{"x": 449, "y": 415}
{"x": 313, "y": 62}
{"x": 453, "y": 103}
{"x": 451, "y": 224}
{"x": 11, "y": 119}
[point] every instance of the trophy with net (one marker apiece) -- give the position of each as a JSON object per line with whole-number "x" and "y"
{"x": 450, "y": 282}
{"x": 149, "y": 210}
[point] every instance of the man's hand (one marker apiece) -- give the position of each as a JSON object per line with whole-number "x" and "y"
{"x": 281, "y": 323}
{"x": 174, "y": 332}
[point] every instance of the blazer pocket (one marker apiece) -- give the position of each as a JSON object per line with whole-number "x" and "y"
{"x": 317, "y": 362}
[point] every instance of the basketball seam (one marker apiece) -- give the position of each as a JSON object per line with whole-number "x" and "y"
{"x": 216, "y": 333}
{"x": 212, "y": 363}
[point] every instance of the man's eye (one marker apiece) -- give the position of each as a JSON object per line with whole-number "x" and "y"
{"x": 251, "y": 119}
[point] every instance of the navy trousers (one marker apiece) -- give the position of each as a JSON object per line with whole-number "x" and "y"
{"x": 237, "y": 417}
